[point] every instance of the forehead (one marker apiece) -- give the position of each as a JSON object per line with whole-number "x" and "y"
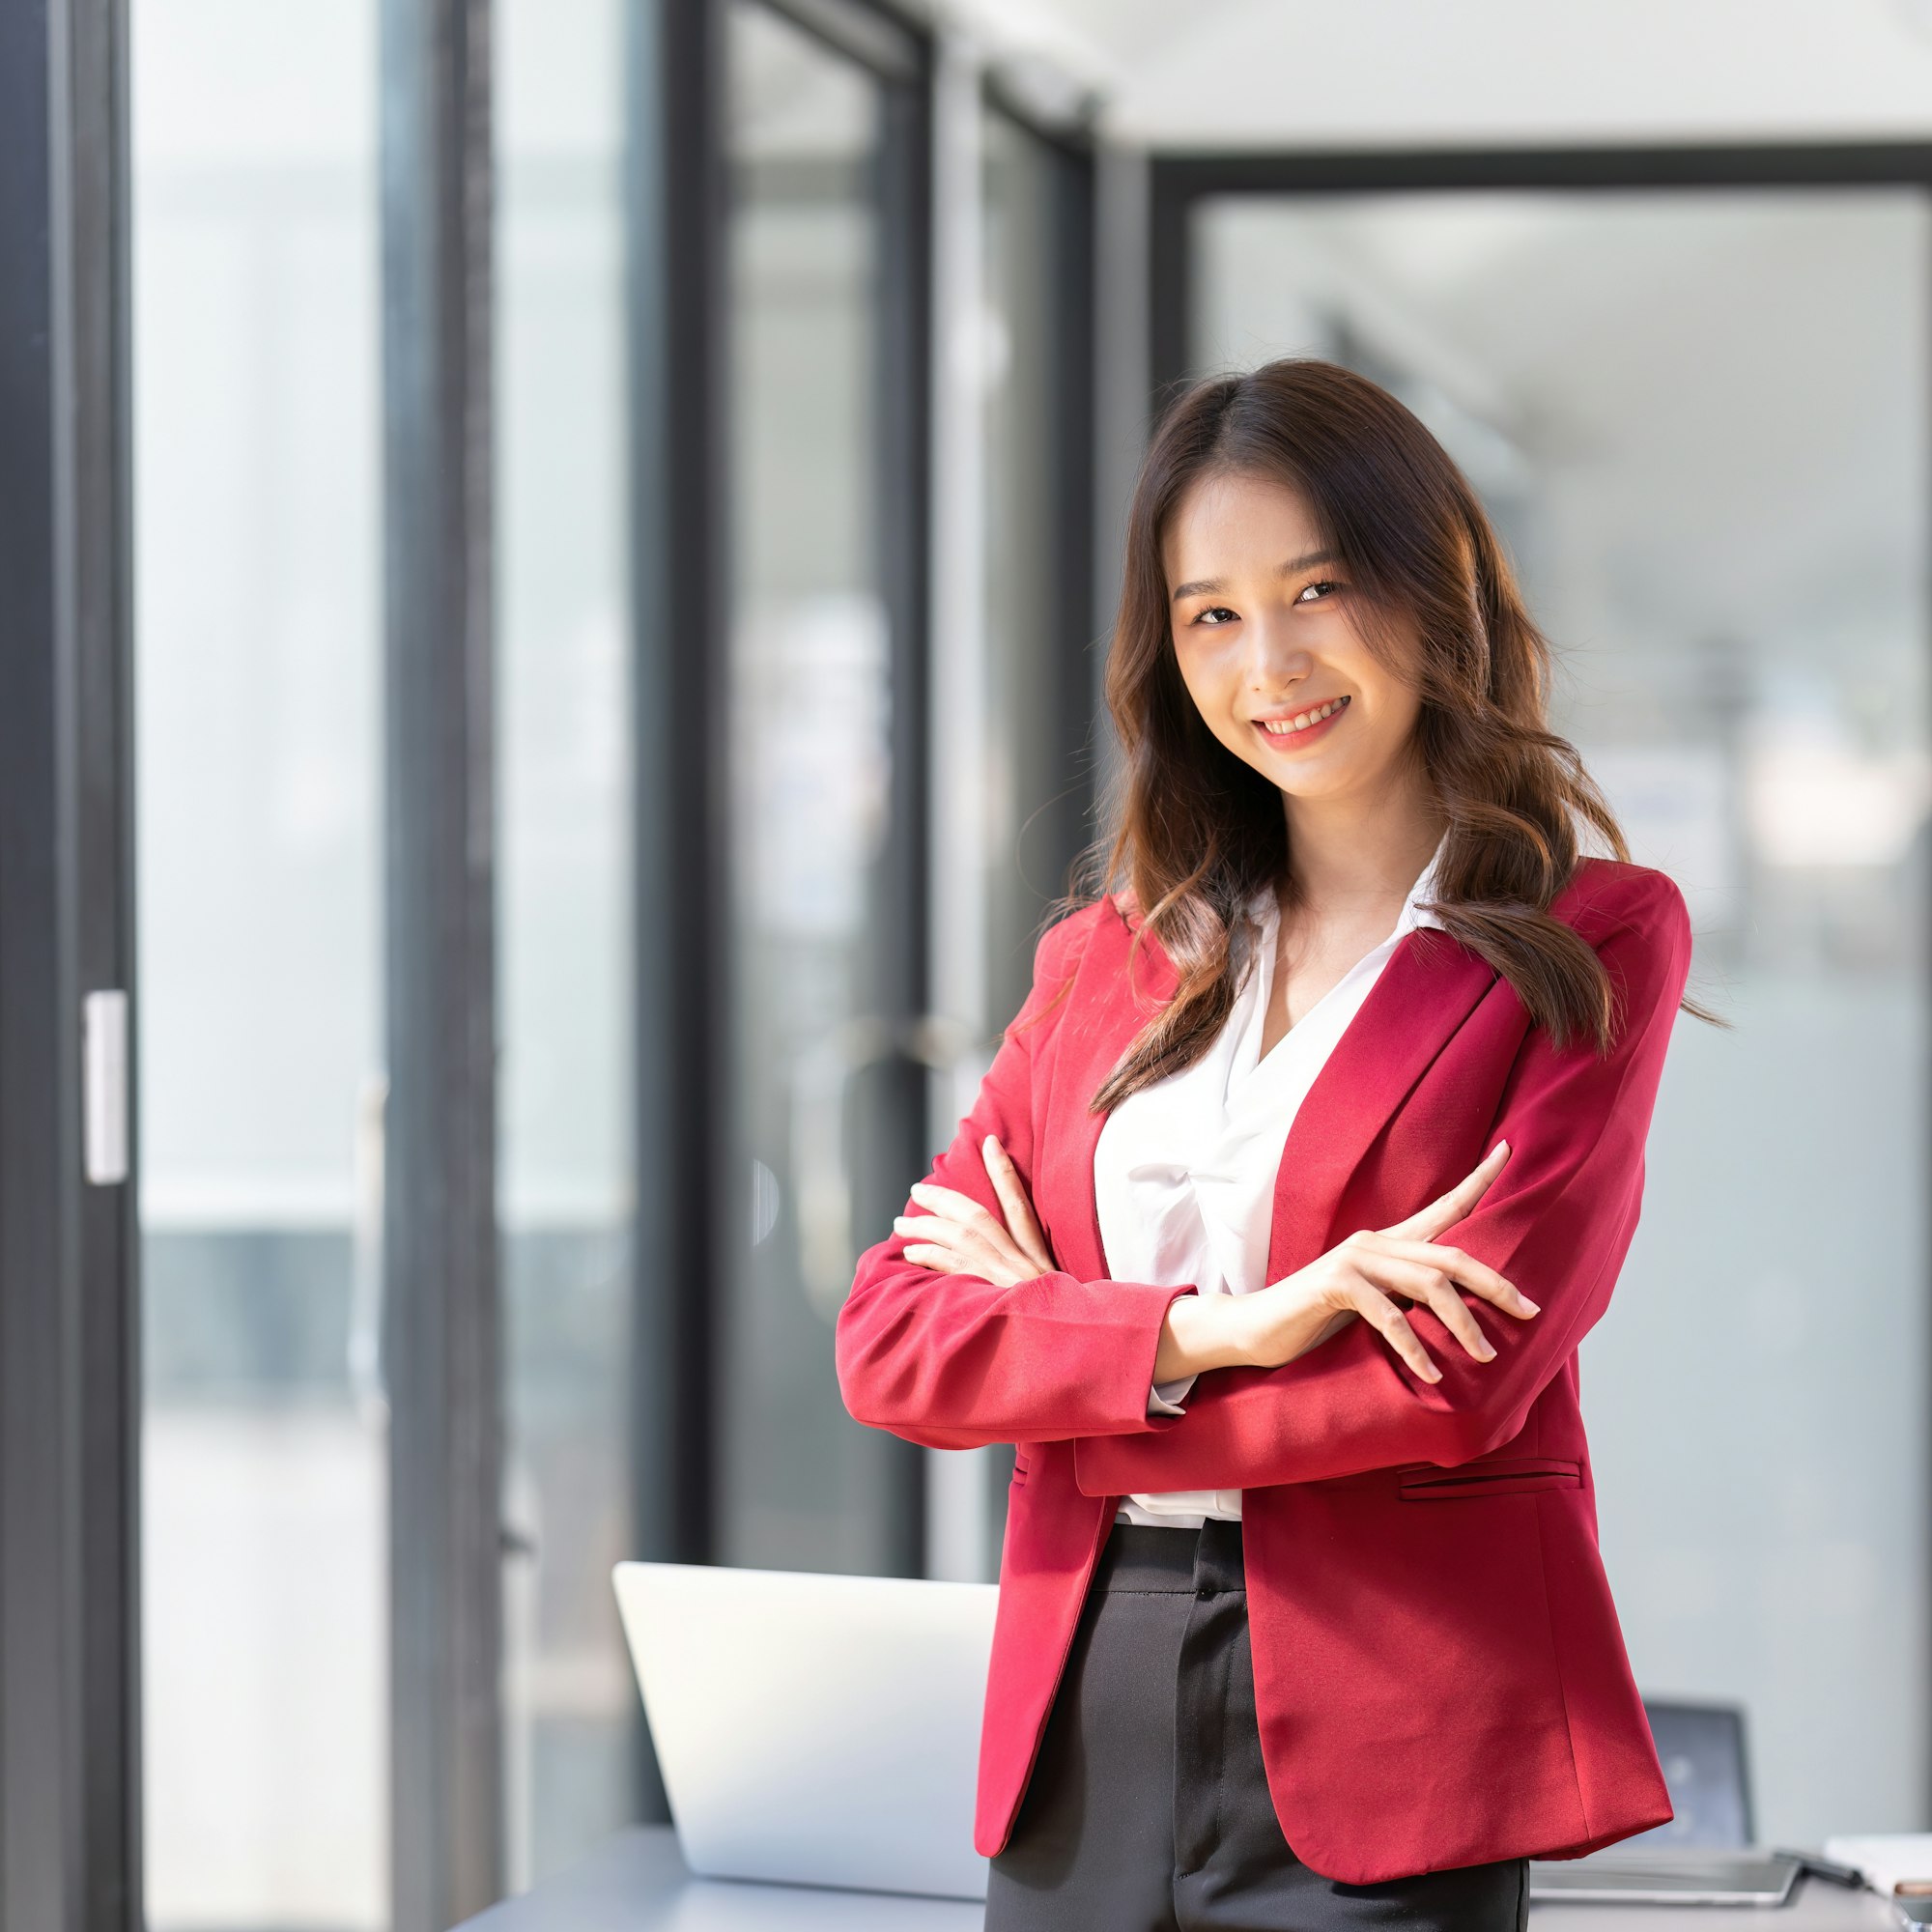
{"x": 1222, "y": 523}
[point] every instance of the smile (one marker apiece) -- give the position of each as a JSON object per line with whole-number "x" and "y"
{"x": 1304, "y": 725}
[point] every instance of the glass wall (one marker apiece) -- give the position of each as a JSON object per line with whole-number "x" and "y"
{"x": 1700, "y": 417}
{"x": 572, "y": 1718}
{"x": 814, "y": 692}
{"x": 258, "y": 619}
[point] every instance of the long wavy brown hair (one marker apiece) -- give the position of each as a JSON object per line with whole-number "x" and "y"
{"x": 1196, "y": 833}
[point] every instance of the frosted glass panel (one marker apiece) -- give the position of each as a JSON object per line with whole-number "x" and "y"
{"x": 802, "y": 1486}
{"x": 571, "y": 1714}
{"x": 258, "y": 728}
{"x": 1699, "y": 419}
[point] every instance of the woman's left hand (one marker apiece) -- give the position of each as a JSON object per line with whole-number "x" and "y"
{"x": 959, "y": 1237}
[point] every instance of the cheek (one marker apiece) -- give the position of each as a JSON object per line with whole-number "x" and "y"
{"x": 1209, "y": 669}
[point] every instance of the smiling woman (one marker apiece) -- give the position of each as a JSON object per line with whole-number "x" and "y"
{"x": 1308, "y": 1161}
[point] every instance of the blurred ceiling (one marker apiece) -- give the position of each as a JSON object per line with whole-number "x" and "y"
{"x": 1276, "y": 73}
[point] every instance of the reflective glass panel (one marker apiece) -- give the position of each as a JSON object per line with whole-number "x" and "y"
{"x": 811, "y": 696}
{"x": 258, "y": 632}
{"x": 570, "y": 1704}
{"x": 1699, "y": 418}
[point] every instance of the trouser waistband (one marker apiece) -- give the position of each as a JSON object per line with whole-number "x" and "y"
{"x": 1188, "y": 1562}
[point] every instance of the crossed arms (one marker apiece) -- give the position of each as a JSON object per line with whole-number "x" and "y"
{"x": 952, "y": 1361}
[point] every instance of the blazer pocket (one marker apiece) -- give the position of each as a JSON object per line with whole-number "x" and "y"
{"x": 1506, "y": 1476}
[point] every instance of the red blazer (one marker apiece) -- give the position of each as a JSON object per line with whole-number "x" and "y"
{"x": 1439, "y": 1674}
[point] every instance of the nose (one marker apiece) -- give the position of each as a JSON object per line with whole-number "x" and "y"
{"x": 1274, "y": 662}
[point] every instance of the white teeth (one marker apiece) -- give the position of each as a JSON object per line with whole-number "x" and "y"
{"x": 1283, "y": 729}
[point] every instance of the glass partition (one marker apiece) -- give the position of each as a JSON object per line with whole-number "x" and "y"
{"x": 815, "y": 695}
{"x": 1701, "y": 418}
{"x": 257, "y": 503}
{"x": 571, "y": 1714}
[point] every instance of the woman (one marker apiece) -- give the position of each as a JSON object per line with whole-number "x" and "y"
{"x": 1272, "y": 1234}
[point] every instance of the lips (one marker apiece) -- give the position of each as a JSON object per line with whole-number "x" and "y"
{"x": 1291, "y": 740}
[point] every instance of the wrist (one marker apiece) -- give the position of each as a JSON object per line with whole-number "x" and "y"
{"x": 1201, "y": 1332}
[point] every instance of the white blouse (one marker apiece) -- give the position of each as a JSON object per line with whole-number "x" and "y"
{"x": 1184, "y": 1170}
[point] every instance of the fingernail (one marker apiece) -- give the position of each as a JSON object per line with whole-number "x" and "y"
{"x": 1499, "y": 1148}
{"x": 1529, "y": 1304}
{"x": 1488, "y": 1355}
{"x": 989, "y": 1145}
{"x": 1431, "y": 1375}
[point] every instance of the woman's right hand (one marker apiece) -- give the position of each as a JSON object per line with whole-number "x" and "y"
{"x": 1357, "y": 1278}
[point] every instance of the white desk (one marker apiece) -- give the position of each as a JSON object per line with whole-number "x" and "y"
{"x": 637, "y": 1883}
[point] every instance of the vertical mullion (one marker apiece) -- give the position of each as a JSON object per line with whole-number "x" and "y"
{"x": 676, "y": 240}
{"x": 675, "y": 215}
{"x": 440, "y": 1331}
{"x": 1076, "y": 359}
{"x": 900, "y": 991}
{"x": 68, "y": 1378}
{"x": 110, "y": 1241}
{"x": 1171, "y": 269}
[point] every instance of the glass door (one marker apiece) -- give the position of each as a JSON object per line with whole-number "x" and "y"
{"x": 826, "y": 1101}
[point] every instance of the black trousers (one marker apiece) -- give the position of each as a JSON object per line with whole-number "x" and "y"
{"x": 1149, "y": 1810}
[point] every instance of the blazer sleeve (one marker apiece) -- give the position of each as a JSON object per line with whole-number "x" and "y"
{"x": 952, "y": 1361}
{"x": 1555, "y": 1222}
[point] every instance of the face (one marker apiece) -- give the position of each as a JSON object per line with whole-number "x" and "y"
{"x": 1264, "y": 629}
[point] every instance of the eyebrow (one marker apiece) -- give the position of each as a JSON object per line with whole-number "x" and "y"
{"x": 1294, "y": 564}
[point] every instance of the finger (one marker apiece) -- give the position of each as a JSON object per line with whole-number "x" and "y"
{"x": 1478, "y": 1276}
{"x": 1427, "y": 1285}
{"x": 992, "y": 1257}
{"x": 1446, "y": 1209}
{"x": 967, "y": 1245}
{"x": 955, "y": 1206}
{"x": 926, "y": 1255}
{"x": 929, "y": 1228}
{"x": 1376, "y": 1308}
{"x": 960, "y": 1253}
{"x": 1012, "y": 1190}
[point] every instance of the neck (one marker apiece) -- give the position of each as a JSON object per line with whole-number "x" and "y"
{"x": 1356, "y": 855}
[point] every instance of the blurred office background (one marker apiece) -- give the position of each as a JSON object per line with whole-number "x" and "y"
{"x": 647, "y": 475}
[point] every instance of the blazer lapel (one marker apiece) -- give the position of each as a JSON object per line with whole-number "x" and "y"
{"x": 1429, "y": 987}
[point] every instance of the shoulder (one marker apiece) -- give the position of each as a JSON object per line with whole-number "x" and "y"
{"x": 1060, "y": 949}
{"x": 1606, "y": 897}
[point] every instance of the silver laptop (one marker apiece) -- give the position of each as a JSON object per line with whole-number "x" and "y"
{"x": 812, "y": 1729}
{"x": 1666, "y": 1875}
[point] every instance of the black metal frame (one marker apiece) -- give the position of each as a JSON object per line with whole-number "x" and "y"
{"x": 441, "y": 1329}
{"x": 69, "y": 1780}
{"x": 1179, "y": 180}
{"x": 674, "y": 219}
{"x": 901, "y": 989}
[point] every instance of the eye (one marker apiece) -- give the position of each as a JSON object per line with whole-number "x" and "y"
{"x": 1203, "y": 615}
{"x": 1323, "y": 583}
